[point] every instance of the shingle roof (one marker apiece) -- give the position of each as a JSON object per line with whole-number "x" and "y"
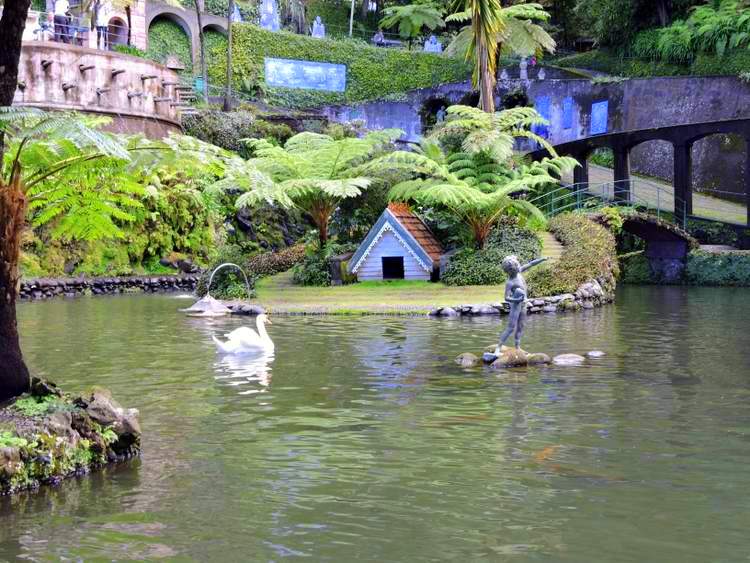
{"x": 416, "y": 227}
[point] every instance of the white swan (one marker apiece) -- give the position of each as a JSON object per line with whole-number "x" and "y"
{"x": 245, "y": 340}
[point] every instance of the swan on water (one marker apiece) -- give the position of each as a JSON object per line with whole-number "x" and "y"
{"x": 245, "y": 340}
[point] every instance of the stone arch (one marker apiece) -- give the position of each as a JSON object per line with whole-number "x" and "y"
{"x": 215, "y": 27}
{"x": 726, "y": 179}
{"x": 428, "y": 112}
{"x": 117, "y": 31}
{"x": 470, "y": 99}
{"x": 186, "y": 28}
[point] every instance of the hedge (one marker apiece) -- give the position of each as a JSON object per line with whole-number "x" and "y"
{"x": 590, "y": 253}
{"x": 372, "y": 72}
{"x": 713, "y": 268}
{"x": 227, "y": 129}
{"x": 484, "y": 267}
{"x": 731, "y": 64}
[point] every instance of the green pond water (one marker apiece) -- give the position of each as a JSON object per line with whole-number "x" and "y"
{"x": 362, "y": 441}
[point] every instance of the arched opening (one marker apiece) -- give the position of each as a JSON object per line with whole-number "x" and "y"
{"x": 432, "y": 112}
{"x": 216, "y": 43}
{"x": 470, "y": 99}
{"x": 514, "y": 99}
{"x": 117, "y": 32}
{"x": 168, "y": 37}
{"x": 718, "y": 177}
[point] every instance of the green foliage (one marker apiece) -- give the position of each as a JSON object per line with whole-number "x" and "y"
{"x": 709, "y": 232}
{"x": 12, "y": 440}
{"x": 228, "y": 283}
{"x": 411, "y": 18}
{"x": 33, "y": 406}
{"x": 589, "y": 253}
{"x": 371, "y": 72}
{"x": 228, "y": 129}
{"x": 635, "y": 269}
{"x": 484, "y": 267}
{"x": 166, "y": 38}
{"x": 603, "y": 157}
{"x": 131, "y": 50}
{"x": 612, "y": 218}
{"x": 315, "y": 268}
{"x": 726, "y": 268}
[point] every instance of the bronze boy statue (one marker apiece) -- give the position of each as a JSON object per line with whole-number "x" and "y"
{"x": 515, "y": 294}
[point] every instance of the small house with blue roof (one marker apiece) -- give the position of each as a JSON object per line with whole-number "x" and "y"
{"x": 398, "y": 247}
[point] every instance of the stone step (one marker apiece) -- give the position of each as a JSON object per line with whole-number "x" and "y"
{"x": 551, "y": 247}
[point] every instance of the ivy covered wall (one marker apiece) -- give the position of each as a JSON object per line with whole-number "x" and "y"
{"x": 372, "y": 72}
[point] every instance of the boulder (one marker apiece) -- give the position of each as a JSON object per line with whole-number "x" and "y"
{"x": 128, "y": 431}
{"x": 549, "y": 308}
{"x": 103, "y": 409}
{"x": 41, "y": 388}
{"x": 489, "y": 357}
{"x": 595, "y": 354}
{"x": 60, "y": 424}
{"x": 10, "y": 461}
{"x": 568, "y": 360}
{"x": 467, "y": 360}
{"x": 245, "y": 309}
{"x": 538, "y": 358}
{"x": 485, "y": 310}
{"x": 448, "y": 312}
{"x": 510, "y": 358}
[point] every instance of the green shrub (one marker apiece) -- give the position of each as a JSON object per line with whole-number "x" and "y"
{"x": 371, "y": 72}
{"x": 33, "y": 406}
{"x": 635, "y": 269}
{"x": 271, "y": 263}
{"x": 131, "y": 50}
{"x": 484, "y": 267}
{"x": 228, "y": 283}
{"x": 227, "y": 129}
{"x": 726, "y": 268}
{"x": 709, "y": 232}
{"x": 589, "y": 253}
{"x": 315, "y": 267}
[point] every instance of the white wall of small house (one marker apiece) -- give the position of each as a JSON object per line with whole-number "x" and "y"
{"x": 389, "y": 246}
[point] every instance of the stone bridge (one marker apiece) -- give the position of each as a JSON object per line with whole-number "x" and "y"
{"x": 681, "y": 137}
{"x": 667, "y": 245}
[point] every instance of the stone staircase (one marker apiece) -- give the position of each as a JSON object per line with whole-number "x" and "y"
{"x": 185, "y": 97}
{"x": 551, "y": 247}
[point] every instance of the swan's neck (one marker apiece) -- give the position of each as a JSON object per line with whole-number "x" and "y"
{"x": 262, "y": 330}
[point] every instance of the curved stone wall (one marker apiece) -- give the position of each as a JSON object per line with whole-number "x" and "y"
{"x": 139, "y": 95}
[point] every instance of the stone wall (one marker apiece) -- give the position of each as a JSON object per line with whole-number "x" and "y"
{"x": 633, "y": 104}
{"x": 136, "y": 93}
{"x": 46, "y": 288}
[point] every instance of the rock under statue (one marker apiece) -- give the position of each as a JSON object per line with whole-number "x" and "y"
{"x": 515, "y": 295}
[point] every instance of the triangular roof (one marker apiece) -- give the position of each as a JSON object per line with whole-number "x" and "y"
{"x": 411, "y": 232}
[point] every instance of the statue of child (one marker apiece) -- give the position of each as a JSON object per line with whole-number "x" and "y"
{"x": 515, "y": 294}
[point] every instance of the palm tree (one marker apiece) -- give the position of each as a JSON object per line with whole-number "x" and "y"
{"x": 57, "y": 168}
{"x": 473, "y": 187}
{"x": 313, "y": 172}
{"x": 493, "y": 30}
{"x": 412, "y": 18}
{"x": 495, "y": 133}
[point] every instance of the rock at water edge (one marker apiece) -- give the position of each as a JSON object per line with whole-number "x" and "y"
{"x": 568, "y": 360}
{"x": 467, "y": 360}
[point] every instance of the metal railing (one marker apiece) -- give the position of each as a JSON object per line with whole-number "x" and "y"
{"x": 593, "y": 197}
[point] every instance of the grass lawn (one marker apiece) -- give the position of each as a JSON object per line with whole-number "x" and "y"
{"x": 277, "y": 294}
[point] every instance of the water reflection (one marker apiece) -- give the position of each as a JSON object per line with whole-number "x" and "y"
{"x": 361, "y": 440}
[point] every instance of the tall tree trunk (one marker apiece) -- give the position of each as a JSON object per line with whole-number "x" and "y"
{"x": 202, "y": 42}
{"x": 14, "y": 375}
{"x": 486, "y": 78}
{"x": 662, "y": 9}
{"x": 228, "y": 92}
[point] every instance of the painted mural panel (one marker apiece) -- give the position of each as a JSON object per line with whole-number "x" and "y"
{"x": 599, "y": 116}
{"x": 542, "y": 106}
{"x": 309, "y": 75}
{"x": 568, "y": 113}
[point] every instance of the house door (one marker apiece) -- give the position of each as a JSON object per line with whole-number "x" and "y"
{"x": 393, "y": 267}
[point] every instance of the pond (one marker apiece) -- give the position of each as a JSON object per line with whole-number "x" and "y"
{"x": 362, "y": 440}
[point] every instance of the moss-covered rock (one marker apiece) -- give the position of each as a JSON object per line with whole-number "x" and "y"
{"x": 48, "y": 435}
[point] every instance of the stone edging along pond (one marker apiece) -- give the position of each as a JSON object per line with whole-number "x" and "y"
{"x": 588, "y": 296}
{"x": 45, "y": 288}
